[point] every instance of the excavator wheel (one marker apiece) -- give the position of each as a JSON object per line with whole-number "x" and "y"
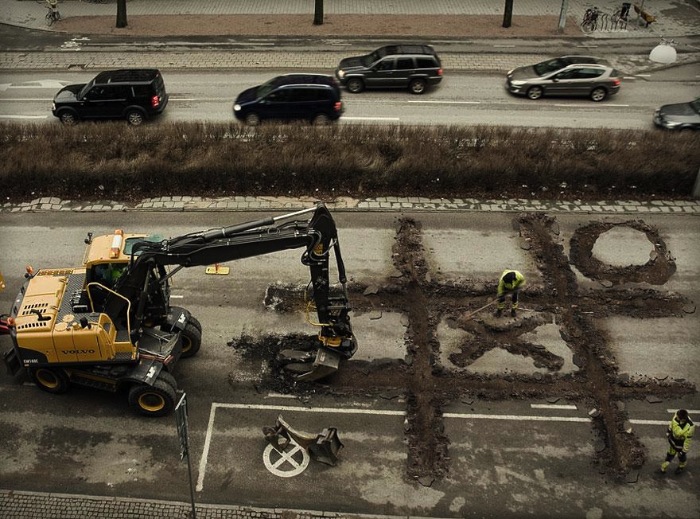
{"x": 51, "y": 380}
{"x": 167, "y": 377}
{"x": 156, "y": 400}
{"x": 196, "y": 323}
{"x": 191, "y": 338}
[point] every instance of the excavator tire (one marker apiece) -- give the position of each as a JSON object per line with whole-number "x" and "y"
{"x": 156, "y": 400}
{"x": 167, "y": 377}
{"x": 191, "y": 340}
{"x": 196, "y": 323}
{"x": 51, "y": 380}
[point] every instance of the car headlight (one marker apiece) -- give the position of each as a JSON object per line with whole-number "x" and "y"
{"x": 517, "y": 83}
{"x": 236, "y": 107}
{"x": 341, "y": 74}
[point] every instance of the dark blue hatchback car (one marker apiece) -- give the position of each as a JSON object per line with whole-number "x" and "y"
{"x": 311, "y": 97}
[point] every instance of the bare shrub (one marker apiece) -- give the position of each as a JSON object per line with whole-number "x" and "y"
{"x": 111, "y": 160}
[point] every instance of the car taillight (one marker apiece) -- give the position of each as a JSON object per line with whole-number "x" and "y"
{"x": 439, "y": 72}
{"x": 616, "y": 82}
{"x": 155, "y": 102}
{"x": 338, "y": 106}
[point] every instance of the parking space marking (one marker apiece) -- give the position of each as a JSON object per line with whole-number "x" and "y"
{"x": 288, "y": 458}
{"x": 215, "y": 405}
{"x": 383, "y": 412}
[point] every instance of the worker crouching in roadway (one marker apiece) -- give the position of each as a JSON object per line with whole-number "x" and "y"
{"x": 511, "y": 282}
{"x": 679, "y": 434}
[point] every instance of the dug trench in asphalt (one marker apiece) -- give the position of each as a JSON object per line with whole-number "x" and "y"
{"x": 475, "y": 377}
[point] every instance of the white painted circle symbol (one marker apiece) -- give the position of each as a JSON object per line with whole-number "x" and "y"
{"x": 292, "y": 462}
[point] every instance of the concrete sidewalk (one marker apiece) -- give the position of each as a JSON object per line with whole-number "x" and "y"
{"x": 674, "y": 18}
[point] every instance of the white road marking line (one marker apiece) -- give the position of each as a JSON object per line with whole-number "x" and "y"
{"x": 690, "y": 411}
{"x": 24, "y": 116}
{"x": 205, "y": 450}
{"x": 345, "y": 118}
{"x": 176, "y": 297}
{"x": 591, "y": 106}
{"x": 522, "y": 418}
{"x": 553, "y": 406}
{"x": 643, "y": 75}
{"x": 337, "y": 410}
{"x": 447, "y": 102}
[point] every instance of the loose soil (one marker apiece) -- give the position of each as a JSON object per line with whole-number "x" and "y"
{"x": 428, "y": 386}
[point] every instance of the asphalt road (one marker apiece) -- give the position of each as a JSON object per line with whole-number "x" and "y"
{"x": 462, "y": 98}
{"x": 514, "y": 457}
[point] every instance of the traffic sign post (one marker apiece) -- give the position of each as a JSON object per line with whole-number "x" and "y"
{"x": 181, "y": 422}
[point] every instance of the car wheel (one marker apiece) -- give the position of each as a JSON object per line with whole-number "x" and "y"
{"x": 252, "y": 119}
{"x": 599, "y": 94}
{"x": 135, "y": 118}
{"x": 355, "y": 85}
{"x": 417, "y": 86}
{"x": 68, "y": 118}
{"x": 50, "y": 380}
{"x": 535, "y": 92}
{"x": 321, "y": 120}
{"x": 156, "y": 400}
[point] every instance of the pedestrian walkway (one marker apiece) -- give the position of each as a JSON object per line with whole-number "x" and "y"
{"x": 674, "y": 18}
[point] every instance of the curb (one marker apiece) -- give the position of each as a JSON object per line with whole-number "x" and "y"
{"x": 386, "y": 203}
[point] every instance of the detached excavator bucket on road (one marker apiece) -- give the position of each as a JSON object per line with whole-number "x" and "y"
{"x": 322, "y": 447}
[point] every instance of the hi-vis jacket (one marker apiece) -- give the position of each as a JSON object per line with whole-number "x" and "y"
{"x": 504, "y": 287}
{"x": 680, "y": 434}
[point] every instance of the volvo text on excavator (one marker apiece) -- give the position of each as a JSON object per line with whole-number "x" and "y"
{"x": 110, "y": 324}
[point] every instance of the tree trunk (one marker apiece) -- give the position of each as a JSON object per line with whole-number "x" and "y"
{"x": 318, "y": 12}
{"x": 508, "y": 13}
{"x": 121, "y": 14}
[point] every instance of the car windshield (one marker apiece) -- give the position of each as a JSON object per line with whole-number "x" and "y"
{"x": 371, "y": 58}
{"x": 546, "y": 67}
{"x": 267, "y": 87}
{"x": 86, "y": 89}
{"x": 696, "y": 105}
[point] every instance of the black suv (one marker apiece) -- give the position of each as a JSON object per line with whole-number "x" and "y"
{"x": 394, "y": 66}
{"x": 131, "y": 94}
{"x": 312, "y": 97}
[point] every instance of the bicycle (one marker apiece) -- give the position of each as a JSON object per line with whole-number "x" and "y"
{"x": 620, "y": 16}
{"x": 52, "y": 15}
{"x": 590, "y": 18}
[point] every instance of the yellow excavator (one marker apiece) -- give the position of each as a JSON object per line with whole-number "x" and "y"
{"x": 109, "y": 323}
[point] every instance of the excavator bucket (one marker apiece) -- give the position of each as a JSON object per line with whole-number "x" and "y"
{"x": 322, "y": 447}
{"x": 326, "y": 447}
{"x": 282, "y": 434}
{"x": 326, "y": 363}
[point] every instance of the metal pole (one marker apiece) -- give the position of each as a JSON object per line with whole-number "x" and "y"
{"x": 562, "y": 15}
{"x": 189, "y": 470}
